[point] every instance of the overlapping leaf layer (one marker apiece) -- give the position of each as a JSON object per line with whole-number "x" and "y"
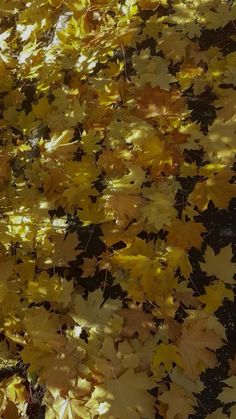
{"x": 117, "y": 136}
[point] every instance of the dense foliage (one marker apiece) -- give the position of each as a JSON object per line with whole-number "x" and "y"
{"x": 117, "y": 145}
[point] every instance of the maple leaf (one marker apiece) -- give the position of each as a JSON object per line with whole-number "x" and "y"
{"x": 90, "y": 141}
{"x": 185, "y": 235}
{"x": 13, "y": 397}
{"x": 94, "y": 317}
{"x": 214, "y": 296}
{"x": 151, "y": 152}
{"x": 122, "y": 207}
{"x": 188, "y": 75}
{"x": 226, "y": 104}
{"x": 216, "y": 188}
{"x": 137, "y": 320}
{"x": 229, "y": 75}
{"x": 180, "y": 404}
{"x": 156, "y": 103}
{"x": 220, "y": 18}
{"x": 178, "y": 377}
{"x": 173, "y": 44}
{"x": 54, "y": 289}
{"x": 194, "y": 347}
{"x": 165, "y": 354}
{"x": 159, "y": 210}
{"x": 186, "y": 19}
{"x": 132, "y": 181}
{"x": 88, "y": 267}
{"x": 63, "y": 249}
{"x": 107, "y": 360}
{"x": 69, "y": 407}
{"x": 42, "y": 108}
{"x": 177, "y": 257}
{"x": 228, "y": 393}
{"x": 153, "y": 70}
{"x": 96, "y": 98}
{"x": 59, "y": 141}
{"x": 220, "y": 145}
{"x": 167, "y": 307}
{"x": 44, "y": 333}
{"x": 57, "y": 370}
{"x": 220, "y": 264}
{"x": 114, "y": 401}
{"x": 141, "y": 267}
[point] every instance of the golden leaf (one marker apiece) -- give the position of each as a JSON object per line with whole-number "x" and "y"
{"x": 219, "y": 265}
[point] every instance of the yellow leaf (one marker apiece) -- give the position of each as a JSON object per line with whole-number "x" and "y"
{"x": 220, "y": 264}
{"x": 69, "y": 407}
{"x": 159, "y": 210}
{"x": 53, "y": 289}
{"x": 124, "y": 397}
{"x": 93, "y": 316}
{"x": 42, "y": 108}
{"x": 165, "y": 354}
{"x": 215, "y": 295}
{"x": 177, "y": 257}
{"x": 59, "y": 141}
{"x": 43, "y": 333}
{"x": 216, "y": 188}
{"x": 153, "y": 70}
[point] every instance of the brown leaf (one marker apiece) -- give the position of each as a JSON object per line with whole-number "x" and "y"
{"x": 158, "y": 103}
{"x": 195, "y": 346}
{"x": 185, "y": 235}
{"x": 137, "y": 320}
